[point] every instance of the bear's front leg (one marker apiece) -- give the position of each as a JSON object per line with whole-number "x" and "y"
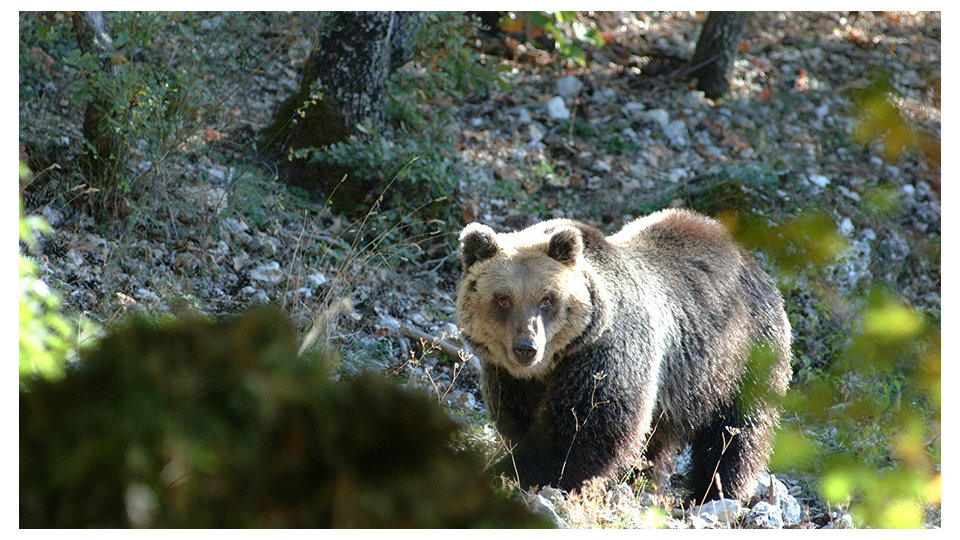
{"x": 597, "y": 418}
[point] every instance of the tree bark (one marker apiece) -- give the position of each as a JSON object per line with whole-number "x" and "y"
{"x": 342, "y": 87}
{"x": 716, "y": 49}
{"x": 93, "y": 38}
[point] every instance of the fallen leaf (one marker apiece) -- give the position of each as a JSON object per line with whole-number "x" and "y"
{"x": 211, "y": 135}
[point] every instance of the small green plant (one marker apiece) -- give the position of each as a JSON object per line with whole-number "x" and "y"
{"x": 568, "y": 33}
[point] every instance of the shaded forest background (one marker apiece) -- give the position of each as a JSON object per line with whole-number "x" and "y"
{"x": 188, "y": 166}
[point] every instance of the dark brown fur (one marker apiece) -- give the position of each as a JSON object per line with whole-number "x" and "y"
{"x": 597, "y": 349}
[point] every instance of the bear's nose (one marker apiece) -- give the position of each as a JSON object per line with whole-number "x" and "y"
{"x": 525, "y": 351}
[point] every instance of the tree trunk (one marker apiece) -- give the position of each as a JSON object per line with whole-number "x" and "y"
{"x": 342, "y": 87}
{"x": 103, "y": 153}
{"x": 716, "y": 49}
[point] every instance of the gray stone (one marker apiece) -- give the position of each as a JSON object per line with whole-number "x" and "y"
{"x": 536, "y": 133}
{"x": 819, "y": 180}
{"x": 569, "y": 86}
{"x": 316, "y": 279}
{"x": 541, "y": 505}
{"x": 523, "y": 116}
{"x": 764, "y": 515}
{"x": 676, "y": 133}
{"x": 557, "y": 109}
{"x": 635, "y": 110}
{"x": 655, "y": 116}
{"x": 788, "y": 504}
{"x": 723, "y": 510}
{"x": 269, "y": 273}
{"x": 52, "y": 216}
{"x": 693, "y": 99}
{"x": 601, "y": 166}
{"x": 389, "y": 323}
{"x": 846, "y": 226}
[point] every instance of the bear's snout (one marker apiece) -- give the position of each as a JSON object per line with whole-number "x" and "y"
{"x": 526, "y": 352}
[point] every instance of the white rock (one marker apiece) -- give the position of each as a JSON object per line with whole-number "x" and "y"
{"x": 146, "y": 296}
{"x": 791, "y": 509}
{"x": 557, "y": 109}
{"x": 418, "y": 320}
{"x": 542, "y": 506}
{"x": 635, "y": 109}
{"x": 389, "y": 323}
{"x": 569, "y": 86}
{"x": 302, "y": 292}
{"x": 212, "y": 23}
{"x": 234, "y": 225}
{"x": 712, "y": 151}
{"x": 846, "y": 226}
{"x": 677, "y": 174}
{"x": 908, "y": 190}
{"x": 476, "y": 121}
{"x": 703, "y": 522}
{"x": 523, "y": 116}
{"x": 269, "y": 273}
{"x": 819, "y": 180}
{"x": 601, "y": 166}
{"x": 693, "y": 99}
{"x": 723, "y": 510}
{"x": 608, "y": 92}
{"x": 655, "y": 116}
{"x": 536, "y": 133}
{"x": 676, "y": 133}
{"x": 316, "y": 279}
{"x": 52, "y": 216}
{"x": 764, "y": 515}
{"x": 216, "y": 173}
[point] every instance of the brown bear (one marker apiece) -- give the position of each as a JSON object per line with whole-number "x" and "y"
{"x": 597, "y": 350}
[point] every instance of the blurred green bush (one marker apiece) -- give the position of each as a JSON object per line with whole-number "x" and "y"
{"x": 200, "y": 424}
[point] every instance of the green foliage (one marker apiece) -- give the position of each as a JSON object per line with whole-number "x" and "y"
{"x": 199, "y": 424}
{"x": 877, "y": 118}
{"x": 449, "y": 64}
{"x": 411, "y": 166}
{"x": 46, "y": 336}
{"x": 866, "y": 427}
{"x": 151, "y": 97}
{"x": 877, "y": 410}
{"x": 568, "y": 34}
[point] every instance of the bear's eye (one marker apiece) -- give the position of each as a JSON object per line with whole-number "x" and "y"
{"x": 545, "y": 303}
{"x": 503, "y": 301}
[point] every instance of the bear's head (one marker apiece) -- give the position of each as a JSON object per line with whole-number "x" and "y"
{"x": 523, "y": 296}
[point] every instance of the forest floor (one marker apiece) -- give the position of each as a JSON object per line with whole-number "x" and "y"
{"x": 224, "y": 233}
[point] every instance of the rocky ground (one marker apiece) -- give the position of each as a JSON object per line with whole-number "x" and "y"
{"x": 228, "y": 235}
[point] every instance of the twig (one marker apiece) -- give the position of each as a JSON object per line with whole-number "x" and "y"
{"x": 445, "y": 346}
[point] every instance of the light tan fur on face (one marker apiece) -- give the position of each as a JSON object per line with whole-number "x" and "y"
{"x": 522, "y": 272}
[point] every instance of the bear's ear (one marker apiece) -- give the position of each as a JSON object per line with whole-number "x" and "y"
{"x": 566, "y": 246}
{"x": 477, "y": 242}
